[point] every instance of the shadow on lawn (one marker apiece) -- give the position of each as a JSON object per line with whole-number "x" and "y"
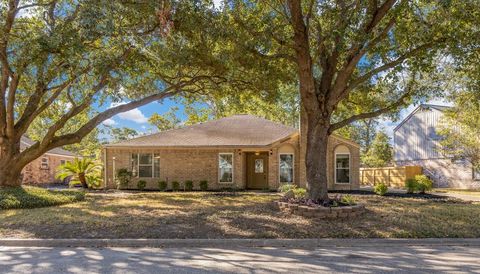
{"x": 246, "y": 216}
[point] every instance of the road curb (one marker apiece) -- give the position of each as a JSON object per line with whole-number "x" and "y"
{"x": 230, "y": 243}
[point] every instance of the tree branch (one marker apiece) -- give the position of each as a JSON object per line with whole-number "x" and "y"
{"x": 391, "y": 107}
{"x": 390, "y": 65}
{"x": 6, "y": 70}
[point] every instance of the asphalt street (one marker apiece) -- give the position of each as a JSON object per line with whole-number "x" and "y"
{"x": 364, "y": 259}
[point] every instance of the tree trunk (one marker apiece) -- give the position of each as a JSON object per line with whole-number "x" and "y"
{"x": 316, "y": 161}
{"x": 10, "y": 177}
{"x": 83, "y": 180}
{"x": 10, "y": 169}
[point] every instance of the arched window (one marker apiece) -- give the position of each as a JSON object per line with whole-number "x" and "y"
{"x": 342, "y": 165}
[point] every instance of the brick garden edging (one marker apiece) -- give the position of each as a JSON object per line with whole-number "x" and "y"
{"x": 321, "y": 212}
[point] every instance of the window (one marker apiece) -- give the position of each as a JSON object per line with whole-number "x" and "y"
{"x": 258, "y": 165}
{"x": 225, "y": 167}
{"x": 342, "y": 165}
{"x": 44, "y": 163}
{"x": 145, "y": 165}
{"x": 476, "y": 173}
{"x": 286, "y": 168}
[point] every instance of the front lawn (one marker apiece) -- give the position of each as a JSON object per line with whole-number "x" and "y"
{"x": 248, "y": 215}
{"x": 32, "y": 197}
{"x": 469, "y": 192}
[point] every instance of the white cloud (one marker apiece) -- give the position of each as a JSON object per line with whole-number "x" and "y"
{"x": 134, "y": 115}
{"x": 109, "y": 122}
{"x": 217, "y": 4}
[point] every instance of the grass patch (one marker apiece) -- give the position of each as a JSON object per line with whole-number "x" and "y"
{"x": 471, "y": 192}
{"x": 33, "y": 197}
{"x": 245, "y": 215}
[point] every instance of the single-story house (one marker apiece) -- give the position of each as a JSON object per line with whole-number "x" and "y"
{"x": 241, "y": 151}
{"x": 43, "y": 169}
{"x": 418, "y": 143}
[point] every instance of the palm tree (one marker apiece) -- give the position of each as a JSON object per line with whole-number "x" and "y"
{"x": 81, "y": 171}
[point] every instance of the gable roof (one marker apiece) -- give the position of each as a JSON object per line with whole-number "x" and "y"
{"x": 422, "y": 106}
{"x": 26, "y": 142}
{"x": 236, "y": 130}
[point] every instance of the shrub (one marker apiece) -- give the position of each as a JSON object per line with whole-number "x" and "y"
{"x": 123, "y": 178}
{"x": 423, "y": 183}
{"x": 380, "y": 189}
{"x": 33, "y": 197}
{"x": 141, "y": 184}
{"x": 175, "y": 186}
{"x": 286, "y": 187}
{"x": 188, "y": 185}
{"x": 411, "y": 185}
{"x": 299, "y": 192}
{"x": 348, "y": 200}
{"x": 162, "y": 185}
{"x": 203, "y": 185}
{"x": 85, "y": 172}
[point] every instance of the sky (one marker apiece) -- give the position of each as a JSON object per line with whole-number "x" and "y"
{"x": 138, "y": 118}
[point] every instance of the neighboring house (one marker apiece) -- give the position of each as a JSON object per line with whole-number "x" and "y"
{"x": 416, "y": 142}
{"x": 241, "y": 151}
{"x": 43, "y": 169}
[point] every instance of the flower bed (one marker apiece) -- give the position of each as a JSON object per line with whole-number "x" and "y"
{"x": 321, "y": 212}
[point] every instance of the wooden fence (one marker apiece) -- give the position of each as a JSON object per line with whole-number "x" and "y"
{"x": 392, "y": 176}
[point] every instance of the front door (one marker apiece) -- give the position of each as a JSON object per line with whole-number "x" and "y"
{"x": 257, "y": 170}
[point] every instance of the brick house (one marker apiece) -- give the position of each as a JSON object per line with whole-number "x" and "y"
{"x": 417, "y": 143}
{"x": 241, "y": 151}
{"x": 43, "y": 169}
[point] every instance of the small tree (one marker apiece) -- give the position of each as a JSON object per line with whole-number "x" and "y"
{"x": 81, "y": 171}
{"x": 460, "y": 129}
{"x": 380, "y": 153}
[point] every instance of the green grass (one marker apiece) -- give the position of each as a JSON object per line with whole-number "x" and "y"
{"x": 33, "y": 197}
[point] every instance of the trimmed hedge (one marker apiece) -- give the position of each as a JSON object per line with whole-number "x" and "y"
{"x": 141, "y": 184}
{"x": 203, "y": 185}
{"x": 32, "y": 197}
{"x": 175, "y": 186}
{"x": 380, "y": 189}
{"x": 162, "y": 185}
{"x": 188, "y": 185}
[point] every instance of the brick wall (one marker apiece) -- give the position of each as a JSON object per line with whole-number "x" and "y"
{"x": 199, "y": 164}
{"x": 180, "y": 165}
{"x": 35, "y": 174}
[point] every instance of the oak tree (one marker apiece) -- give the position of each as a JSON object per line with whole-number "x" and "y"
{"x": 366, "y": 57}
{"x": 63, "y": 60}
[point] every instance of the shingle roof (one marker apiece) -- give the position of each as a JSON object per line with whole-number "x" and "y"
{"x": 237, "y": 130}
{"x": 26, "y": 142}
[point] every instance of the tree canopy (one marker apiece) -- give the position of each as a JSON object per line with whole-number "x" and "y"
{"x": 353, "y": 59}
{"x": 66, "y": 66}
{"x": 380, "y": 154}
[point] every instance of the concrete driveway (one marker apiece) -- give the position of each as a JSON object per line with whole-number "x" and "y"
{"x": 373, "y": 259}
